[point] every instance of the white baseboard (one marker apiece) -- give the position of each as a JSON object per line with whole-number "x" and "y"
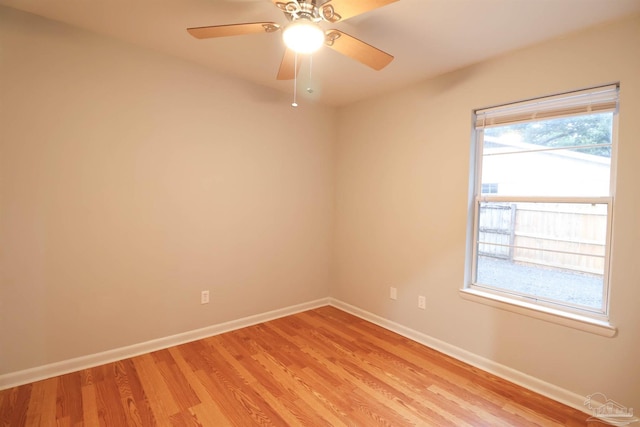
{"x": 38, "y": 373}
{"x": 544, "y": 388}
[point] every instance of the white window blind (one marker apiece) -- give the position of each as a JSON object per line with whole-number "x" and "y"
{"x": 595, "y": 100}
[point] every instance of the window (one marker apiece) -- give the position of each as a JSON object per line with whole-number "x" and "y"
{"x": 540, "y": 231}
{"x": 489, "y": 187}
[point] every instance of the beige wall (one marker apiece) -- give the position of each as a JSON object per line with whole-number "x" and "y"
{"x": 131, "y": 181}
{"x": 402, "y": 189}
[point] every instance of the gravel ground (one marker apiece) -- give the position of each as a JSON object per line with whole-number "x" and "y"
{"x": 576, "y": 288}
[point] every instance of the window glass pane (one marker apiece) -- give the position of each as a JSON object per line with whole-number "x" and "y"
{"x": 489, "y": 188}
{"x": 569, "y": 156}
{"x": 541, "y": 283}
{"x": 585, "y": 130}
{"x": 551, "y": 251}
{"x": 547, "y": 173}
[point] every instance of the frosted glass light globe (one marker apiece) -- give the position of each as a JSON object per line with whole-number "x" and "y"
{"x": 303, "y": 36}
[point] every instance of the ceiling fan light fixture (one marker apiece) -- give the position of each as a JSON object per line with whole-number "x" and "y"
{"x": 303, "y": 36}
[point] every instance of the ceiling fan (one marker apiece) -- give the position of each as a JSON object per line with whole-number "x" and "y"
{"x": 303, "y": 35}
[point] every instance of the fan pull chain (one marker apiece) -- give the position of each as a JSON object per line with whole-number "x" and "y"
{"x": 295, "y": 79}
{"x": 309, "y": 88}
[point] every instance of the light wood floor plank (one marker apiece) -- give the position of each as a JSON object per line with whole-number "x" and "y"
{"x": 42, "y": 403}
{"x": 69, "y": 402}
{"x": 208, "y": 411}
{"x": 323, "y": 367}
{"x": 90, "y": 415}
{"x": 156, "y": 391}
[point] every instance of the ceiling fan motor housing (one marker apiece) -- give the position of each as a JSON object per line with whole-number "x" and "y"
{"x": 295, "y": 10}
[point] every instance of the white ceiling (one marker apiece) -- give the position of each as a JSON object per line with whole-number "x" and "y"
{"x": 427, "y": 37}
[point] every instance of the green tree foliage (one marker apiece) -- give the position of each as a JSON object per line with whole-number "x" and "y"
{"x": 592, "y": 131}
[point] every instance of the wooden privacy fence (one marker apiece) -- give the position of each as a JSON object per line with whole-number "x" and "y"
{"x": 558, "y": 235}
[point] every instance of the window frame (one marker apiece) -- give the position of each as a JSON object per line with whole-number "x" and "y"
{"x": 586, "y": 318}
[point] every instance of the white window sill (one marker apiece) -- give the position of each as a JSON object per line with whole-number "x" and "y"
{"x": 576, "y": 321}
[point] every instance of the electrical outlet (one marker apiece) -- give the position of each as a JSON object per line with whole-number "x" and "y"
{"x": 204, "y": 297}
{"x": 422, "y": 302}
{"x": 393, "y": 293}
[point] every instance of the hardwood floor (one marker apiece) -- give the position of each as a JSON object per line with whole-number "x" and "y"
{"x": 323, "y": 367}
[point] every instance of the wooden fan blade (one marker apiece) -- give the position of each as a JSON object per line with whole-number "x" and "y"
{"x": 357, "y": 49}
{"x": 286, "y": 71}
{"x": 345, "y": 9}
{"x": 233, "y": 30}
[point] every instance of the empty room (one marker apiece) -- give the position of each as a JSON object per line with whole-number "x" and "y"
{"x": 320, "y": 213}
